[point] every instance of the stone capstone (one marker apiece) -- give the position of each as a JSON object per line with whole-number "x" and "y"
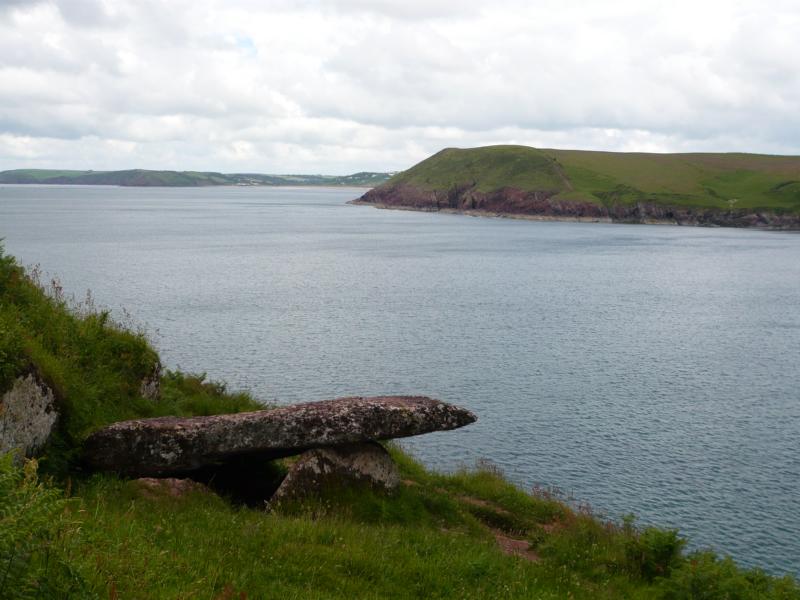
{"x": 366, "y": 463}
{"x": 27, "y": 416}
{"x": 170, "y": 445}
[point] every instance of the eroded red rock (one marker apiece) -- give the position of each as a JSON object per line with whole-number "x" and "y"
{"x": 514, "y": 202}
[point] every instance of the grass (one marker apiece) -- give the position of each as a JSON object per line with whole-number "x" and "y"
{"x": 487, "y": 169}
{"x": 112, "y": 539}
{"x": 711, "y": 181}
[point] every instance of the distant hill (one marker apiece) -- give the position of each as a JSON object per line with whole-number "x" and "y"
{"x": 143, "y": 177}
{"x": 714, "y": 189}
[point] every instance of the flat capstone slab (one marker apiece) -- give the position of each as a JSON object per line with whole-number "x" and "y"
{"x": 172, "y": 445}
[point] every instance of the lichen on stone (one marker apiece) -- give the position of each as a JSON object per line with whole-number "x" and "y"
{"x": 27, "y": 416}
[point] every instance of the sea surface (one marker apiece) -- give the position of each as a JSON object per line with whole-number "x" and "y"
{"x": 644, "y": 369}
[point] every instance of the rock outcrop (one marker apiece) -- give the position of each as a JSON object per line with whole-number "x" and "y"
{"x": 151, "y": 385}
{"x": 171, "y": 445}
{"x": 27, "y": 416}
{"x": 367, "y": 463}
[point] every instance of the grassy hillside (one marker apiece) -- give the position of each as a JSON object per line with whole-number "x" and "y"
{"x": 716, "y": 181}
{"x": 143, "y": 177}
{"x": 470, "y": 534}
{"x": 487, "y": 169}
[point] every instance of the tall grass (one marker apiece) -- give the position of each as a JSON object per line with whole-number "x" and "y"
{"x": 118, "y": 539}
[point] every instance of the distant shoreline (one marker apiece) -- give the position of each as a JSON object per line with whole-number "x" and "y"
{"x": 487, "y": 214}
{"x": 155, "y": 178}
{"x": 227, "y": 185}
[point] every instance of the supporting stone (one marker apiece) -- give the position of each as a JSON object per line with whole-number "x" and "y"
{"x": 362, "y": 464}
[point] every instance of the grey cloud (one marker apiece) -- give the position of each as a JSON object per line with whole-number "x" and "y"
{"x": 9, "y": 4}
{"x": 352, "y": 84}
{"x": 87, "y": 13}
{"x": 409, "y": 10}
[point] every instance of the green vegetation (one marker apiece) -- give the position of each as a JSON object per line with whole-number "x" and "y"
{"x": 94, "y": 365}
{"x": 113, "y": 538}
{"x": 32, "y": 518}
{"x": 79, "y": 535}
{"x": 146, "y": 178}
{"x": 716, "y": 181}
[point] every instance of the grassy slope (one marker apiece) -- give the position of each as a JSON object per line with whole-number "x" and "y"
{"x": 94, "y": 365}
{"x": 434, "y": 538}
{"x": 488, "y": 169}
{"x": 144, "y": 177}
{"x": 699, "y": 180}
{"x": 431, "y": 539}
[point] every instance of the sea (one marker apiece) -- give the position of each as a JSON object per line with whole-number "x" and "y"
{"x": 642, "y": 369}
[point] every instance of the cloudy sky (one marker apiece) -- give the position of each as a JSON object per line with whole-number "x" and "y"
{"x": 335, "y": 87}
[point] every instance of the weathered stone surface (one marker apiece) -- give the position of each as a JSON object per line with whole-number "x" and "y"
{"x": 151, "y": 385}
{"x": 27, "y": 416}
{"x": 169, "y": 445}
{"x": 367, "y": 463}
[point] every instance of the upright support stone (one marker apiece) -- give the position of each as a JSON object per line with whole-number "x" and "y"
{"x": 366, "y": 464}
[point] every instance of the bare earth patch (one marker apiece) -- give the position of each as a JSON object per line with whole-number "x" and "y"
{"x": 514, "y": 547}
{"x": 152, "y": 487}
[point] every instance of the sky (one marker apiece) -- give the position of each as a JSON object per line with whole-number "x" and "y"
{"x": 341, "y": 86}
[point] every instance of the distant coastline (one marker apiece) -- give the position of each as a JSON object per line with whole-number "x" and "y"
{"x": 154, "y": 178}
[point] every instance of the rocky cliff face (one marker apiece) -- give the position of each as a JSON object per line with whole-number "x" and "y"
{"x": 514, "y": 202}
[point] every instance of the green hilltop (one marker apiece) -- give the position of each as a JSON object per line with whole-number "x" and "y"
{"x": 149, "y": 178}
{"x": 697, "y": 180}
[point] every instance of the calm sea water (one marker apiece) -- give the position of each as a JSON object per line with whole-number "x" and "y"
{"x": 643, "y": 369}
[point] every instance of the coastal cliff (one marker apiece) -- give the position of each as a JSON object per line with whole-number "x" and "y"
{"x": 545, "y": 205}
{"x": 521, "y": 182}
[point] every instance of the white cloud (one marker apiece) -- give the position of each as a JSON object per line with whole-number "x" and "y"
{"x": 346, "y": 85}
